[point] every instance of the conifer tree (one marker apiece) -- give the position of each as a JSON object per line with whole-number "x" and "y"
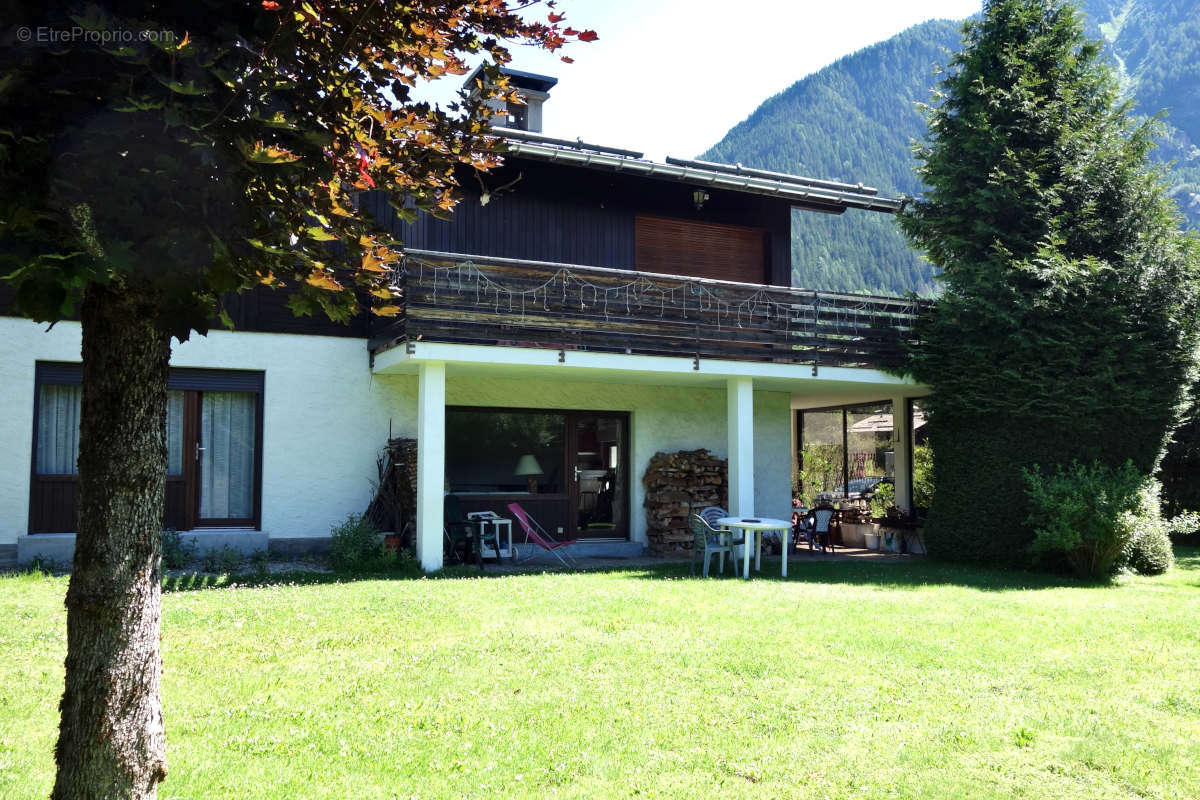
{"x": 1066, "y": 330}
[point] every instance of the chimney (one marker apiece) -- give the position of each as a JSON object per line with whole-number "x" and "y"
{"x": 533, "y": 89}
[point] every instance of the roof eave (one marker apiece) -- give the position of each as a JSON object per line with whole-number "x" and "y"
{"x": 826, "y": 200}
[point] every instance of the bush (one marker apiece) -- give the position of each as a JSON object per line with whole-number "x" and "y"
{"x": 356, "y": 544}
{"x": 1149, "y": 551}
{"x": 176, "y": 554}
{"x": 922, "y": 476}
{"x": 1083, "y": 512}
{"x": 224, "y": 561}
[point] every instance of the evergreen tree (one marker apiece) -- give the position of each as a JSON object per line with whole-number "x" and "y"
{"x": 1066, "y": 328}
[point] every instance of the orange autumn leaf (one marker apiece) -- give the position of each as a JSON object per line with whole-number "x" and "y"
{"x": 588, "y": 36}
{"x": 372, "y": 264}
{"x": 323, "y": 281}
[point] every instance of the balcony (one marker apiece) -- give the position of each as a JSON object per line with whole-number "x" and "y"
{"x": 462, "y": 299}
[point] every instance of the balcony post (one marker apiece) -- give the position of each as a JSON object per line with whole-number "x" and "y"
{"x": 740, "y": 427}
{"x": 431, "y": 462}
{"x": 901, "y": 460}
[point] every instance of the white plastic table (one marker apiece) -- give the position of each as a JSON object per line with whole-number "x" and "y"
{"x": 757, "y": 525}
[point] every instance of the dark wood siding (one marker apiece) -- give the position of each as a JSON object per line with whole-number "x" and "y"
{"x": 700, "y": 249}
{"x": 260, "y": 309}
{"x": 575, "y": 215}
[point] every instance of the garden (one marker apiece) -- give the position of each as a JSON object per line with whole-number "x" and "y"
{"x": 905, "y": 679}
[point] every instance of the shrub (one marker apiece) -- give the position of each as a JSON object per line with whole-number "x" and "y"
{"x": 1149, "y": 551}
{"x": 355, "y": 544}
{"x": 225, "y": 560}
{"x": 176, "y": 553}
{"x": 230, "y": 560}
{"x": 922, "y": 476}
{"x": 1082, "y": 511}
{"x": 259, "y": 560}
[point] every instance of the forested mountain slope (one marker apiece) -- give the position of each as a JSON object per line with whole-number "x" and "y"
{"x": 855, "y": 120}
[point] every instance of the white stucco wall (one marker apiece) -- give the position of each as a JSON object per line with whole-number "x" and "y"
{"x": 326, "y": 416}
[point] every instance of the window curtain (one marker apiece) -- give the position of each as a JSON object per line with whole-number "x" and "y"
{"x": 174, "y": 433}
{"x": 58, "y": 430}
{"x": 227, "y": 422}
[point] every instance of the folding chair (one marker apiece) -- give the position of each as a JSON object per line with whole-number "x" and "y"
{"x": 536, "y": 534}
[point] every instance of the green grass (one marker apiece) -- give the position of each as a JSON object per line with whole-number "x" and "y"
{"x": 847, "y": 680}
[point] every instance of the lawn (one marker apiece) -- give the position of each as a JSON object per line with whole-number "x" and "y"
{"x": 846, "y": 680}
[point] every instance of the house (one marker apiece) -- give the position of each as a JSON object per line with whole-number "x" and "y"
{"x": 584, "y": 309}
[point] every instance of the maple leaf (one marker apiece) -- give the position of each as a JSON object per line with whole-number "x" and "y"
{"x": 588, "y": 36}
{"x": 556, "y": 17}
{"x": 270, "y": 5}
{"x": 323, "y": 281}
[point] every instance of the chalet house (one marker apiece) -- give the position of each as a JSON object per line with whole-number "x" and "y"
{"x": 585, "y": 309}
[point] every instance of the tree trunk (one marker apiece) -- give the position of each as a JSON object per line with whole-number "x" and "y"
{"x": 111, "y": 741}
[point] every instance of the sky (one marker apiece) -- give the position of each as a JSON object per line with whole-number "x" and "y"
{"x": 671, "y": 77}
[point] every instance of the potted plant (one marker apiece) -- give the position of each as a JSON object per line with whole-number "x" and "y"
{"x": 884, "y": 511}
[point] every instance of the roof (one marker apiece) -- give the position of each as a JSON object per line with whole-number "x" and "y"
{"x": 519, "y": 79}
{"x": 829, "y": 196}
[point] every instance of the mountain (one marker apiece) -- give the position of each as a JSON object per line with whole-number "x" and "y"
{"x": 855, "y": 120}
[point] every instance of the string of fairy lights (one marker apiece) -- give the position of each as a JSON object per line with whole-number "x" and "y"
{"x": 804, "y": 313}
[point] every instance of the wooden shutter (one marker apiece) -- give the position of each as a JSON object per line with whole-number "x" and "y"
{"x": 700, "y": 249}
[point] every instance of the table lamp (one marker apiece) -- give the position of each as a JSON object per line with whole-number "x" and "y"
{"x": 531, "y": 470}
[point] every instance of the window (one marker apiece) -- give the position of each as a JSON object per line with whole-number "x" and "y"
{"x": 214, "y": 448}
{"x": 567, "y": 469}
{"x": 846, "y": 452}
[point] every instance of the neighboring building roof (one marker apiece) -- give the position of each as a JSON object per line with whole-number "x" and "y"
{"x": 520, "y": 79}
{"x": 828, "y": 196}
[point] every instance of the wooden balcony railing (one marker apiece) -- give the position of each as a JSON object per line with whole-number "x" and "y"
{"x": 480, "y": 300}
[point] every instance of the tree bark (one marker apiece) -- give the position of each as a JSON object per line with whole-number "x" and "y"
{"x": 111, "y": 740}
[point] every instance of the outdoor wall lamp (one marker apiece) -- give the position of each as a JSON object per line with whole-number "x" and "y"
{"x": 699, "y": 197}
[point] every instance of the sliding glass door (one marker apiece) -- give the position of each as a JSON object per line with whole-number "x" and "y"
{"x": 567, "y": 469}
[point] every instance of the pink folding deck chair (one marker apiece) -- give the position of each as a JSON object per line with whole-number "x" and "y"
{"x": 536, "y": 534}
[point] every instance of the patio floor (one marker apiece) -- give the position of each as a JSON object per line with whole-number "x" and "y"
{"x": 800, "y": 555}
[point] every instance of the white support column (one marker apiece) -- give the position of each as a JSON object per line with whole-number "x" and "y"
{"x": 431, "y": 462}
{"x": 740, "y": 426}
{"x": 902, "y": 436}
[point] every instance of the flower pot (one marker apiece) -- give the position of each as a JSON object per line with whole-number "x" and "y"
{"x": 872, "y": 540}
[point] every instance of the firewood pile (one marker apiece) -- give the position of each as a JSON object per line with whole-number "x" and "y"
{"x": 676, "y": 485}
{"x": 395, "y": 498}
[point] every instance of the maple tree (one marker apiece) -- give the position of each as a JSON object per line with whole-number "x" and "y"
{"x": 155, "y": 158}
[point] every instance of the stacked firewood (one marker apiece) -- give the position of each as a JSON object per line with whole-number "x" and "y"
{"x": 676, "y": 485}
{"x": 395, "y": 498}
